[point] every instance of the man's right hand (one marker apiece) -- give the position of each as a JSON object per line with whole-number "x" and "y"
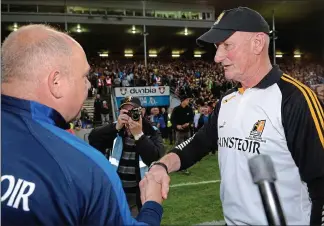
{"x": 179, "y": 127}
{"x": 185, "y": 125}
{"x": 161, "y": 176}
{"x": 150, "y": 189}
{"x": 122, "y": 119}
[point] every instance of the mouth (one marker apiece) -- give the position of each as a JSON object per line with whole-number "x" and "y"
{"x": 226, "y": 66}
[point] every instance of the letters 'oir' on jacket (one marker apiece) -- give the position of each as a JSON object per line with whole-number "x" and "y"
{"x": 51, "y": 177}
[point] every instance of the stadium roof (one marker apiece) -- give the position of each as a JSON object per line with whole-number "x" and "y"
{"x": 286, "y": 11}
{"x": 299, "y": 23}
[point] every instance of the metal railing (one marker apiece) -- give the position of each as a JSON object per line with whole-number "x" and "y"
{"x": 114, "y": 106}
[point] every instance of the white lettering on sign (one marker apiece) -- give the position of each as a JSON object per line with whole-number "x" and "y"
{"x": 143, "y": 101}
{"x": 17, "y": 192}
{"x": 152, "y": 101}
{"x": 142, "y": 91}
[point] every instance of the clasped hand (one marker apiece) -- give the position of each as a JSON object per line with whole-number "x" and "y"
{"x": 150, "y": 189}
{"x": 181, "y": 127}
{"x": 155, "y": 185}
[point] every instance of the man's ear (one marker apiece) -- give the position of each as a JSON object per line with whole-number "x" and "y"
{"x": 55, "y": 84}
{"x": 259, "y": 42}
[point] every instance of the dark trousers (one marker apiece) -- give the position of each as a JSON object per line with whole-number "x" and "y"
{"x": 134, "y": 202}
{"x": 181, "y": 136}
{"x": 170, "y": 132}
{"x": 164, "y": 132}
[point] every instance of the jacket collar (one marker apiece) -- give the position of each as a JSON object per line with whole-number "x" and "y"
{"x": 34, "y": 110}
{"x": 271, "y": 78}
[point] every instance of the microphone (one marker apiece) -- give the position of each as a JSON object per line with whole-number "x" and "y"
{"x": 264, "y": 175}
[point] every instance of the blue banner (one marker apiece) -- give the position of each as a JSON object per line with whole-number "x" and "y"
{"x": 150, "y": 101}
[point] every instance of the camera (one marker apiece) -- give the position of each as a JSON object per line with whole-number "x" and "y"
{"x": 135, "y": 114}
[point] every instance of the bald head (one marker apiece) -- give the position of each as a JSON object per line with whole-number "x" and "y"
{"x": 44, "y": 65}
{"x": 32, "y": 50}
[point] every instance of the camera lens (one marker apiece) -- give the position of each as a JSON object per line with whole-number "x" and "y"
{"x": 135, "y": 116}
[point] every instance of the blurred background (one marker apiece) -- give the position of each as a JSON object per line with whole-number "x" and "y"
{"x": 153, "y": 43}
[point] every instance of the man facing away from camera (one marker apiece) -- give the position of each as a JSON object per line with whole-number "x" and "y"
{"x": 49, "y": 176}
{"x": 272, "y": 114}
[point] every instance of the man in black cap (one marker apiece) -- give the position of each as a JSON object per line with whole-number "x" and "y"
{"x": 131, "y": 144}
{"x": 181, "y": 119}
{"x": 269, "y": 113}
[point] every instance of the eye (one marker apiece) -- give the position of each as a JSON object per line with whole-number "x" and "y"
{"x": 226, "y": 45}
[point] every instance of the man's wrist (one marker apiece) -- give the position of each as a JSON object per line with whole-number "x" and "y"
{"x": 161, "y": 164}
{"x": 118, "y": 127}
{"x": 138, "y": 136}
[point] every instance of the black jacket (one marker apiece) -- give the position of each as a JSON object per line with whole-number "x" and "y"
{"x": 150, "y": 146}
{"x": 181, "y": 116}
{"x": 97, "y": 109}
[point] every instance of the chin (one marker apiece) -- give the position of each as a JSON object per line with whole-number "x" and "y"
{"x": 229, "y": 76}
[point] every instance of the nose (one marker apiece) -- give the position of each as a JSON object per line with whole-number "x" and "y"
{"x": 220, "y": 55}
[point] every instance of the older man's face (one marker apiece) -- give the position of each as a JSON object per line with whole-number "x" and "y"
{"x": 235, "y": 55}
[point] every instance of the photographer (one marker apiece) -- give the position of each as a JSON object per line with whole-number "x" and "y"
{"x": 135, "y": 145}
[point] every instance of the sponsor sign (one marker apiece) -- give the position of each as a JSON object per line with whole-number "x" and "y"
{"x": 142, "y": 91}
{"x": 150, "y": 101}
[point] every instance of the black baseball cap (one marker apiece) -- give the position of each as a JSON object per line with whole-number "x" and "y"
{"x": 129, "y": 100}
{"x": 230, "y": 21}
{"x": 184, "y": 97}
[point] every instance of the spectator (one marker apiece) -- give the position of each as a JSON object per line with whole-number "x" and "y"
{"x": 157, "y": 119}
{"x": 181, "y": 119}
{"x": 97, "y": 110}
{"x": 135, "y": 145}
{"x": 203, "y": 119}
{"x": 108, "y": 82}
{"x": 197, "y": 115}
{"x": 85, "y": 118}
{"x": 164, "y": 130}
{"x": 105, "y": 113}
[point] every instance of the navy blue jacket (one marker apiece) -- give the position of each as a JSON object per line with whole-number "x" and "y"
{"x": 51, "y": 177}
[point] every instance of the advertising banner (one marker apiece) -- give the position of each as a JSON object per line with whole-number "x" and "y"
{"x": 142, "y": 91}
{"x": 150, "y": 101}
{"x": 150, "y": 96}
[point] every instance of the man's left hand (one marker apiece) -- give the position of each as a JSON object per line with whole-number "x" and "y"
{"x": 135, "y": 127}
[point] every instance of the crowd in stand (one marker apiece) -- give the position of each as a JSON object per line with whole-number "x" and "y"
{"x": 199, "y": 78}
{"x": 203, "y": 81}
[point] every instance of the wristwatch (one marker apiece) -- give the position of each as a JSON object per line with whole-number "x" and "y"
{"x": 160, "y": 164}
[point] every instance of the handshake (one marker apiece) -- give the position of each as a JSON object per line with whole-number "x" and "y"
{"x": 155, "y": 185}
